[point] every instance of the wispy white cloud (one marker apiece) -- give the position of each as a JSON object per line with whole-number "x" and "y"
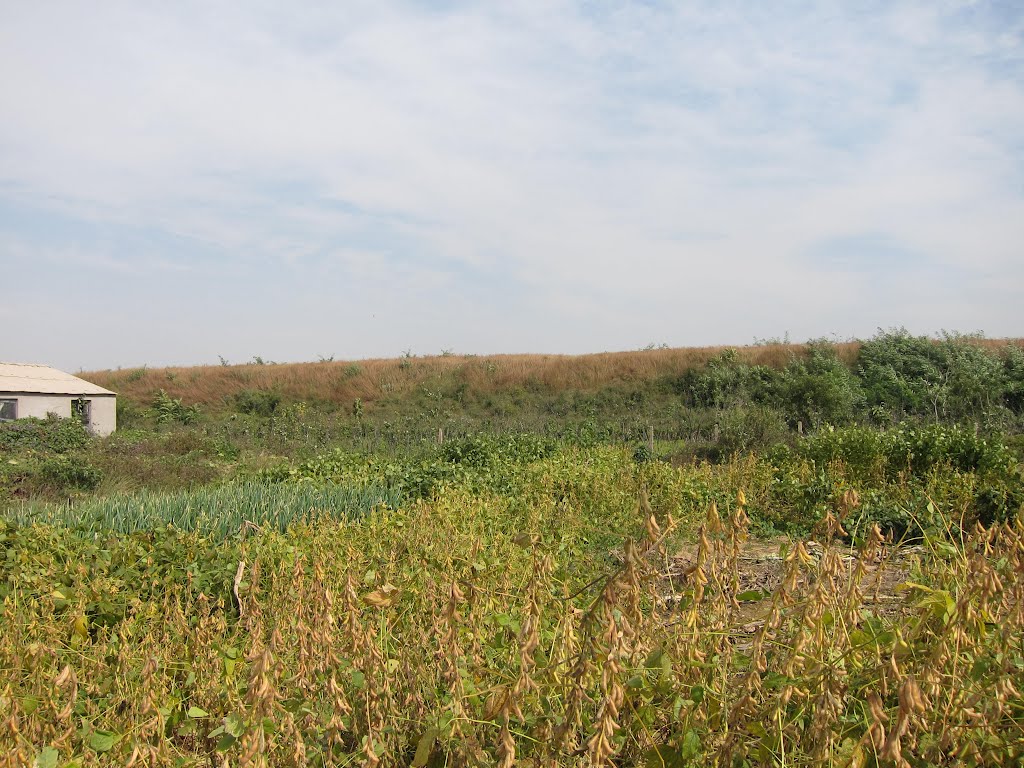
{"x": 567, "y": 176}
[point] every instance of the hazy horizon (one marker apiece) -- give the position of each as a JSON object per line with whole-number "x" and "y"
{"x": 184, "y": 182}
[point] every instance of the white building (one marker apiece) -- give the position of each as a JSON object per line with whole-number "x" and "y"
{"x": 38, "y": 390}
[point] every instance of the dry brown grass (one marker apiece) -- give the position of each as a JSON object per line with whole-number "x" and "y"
{"x": 342, "y": 382}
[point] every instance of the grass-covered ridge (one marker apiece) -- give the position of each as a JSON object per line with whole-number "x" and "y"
{"x": 890, "y": 375}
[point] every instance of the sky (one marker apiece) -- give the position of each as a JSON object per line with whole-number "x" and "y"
{"x": 187, "y": 182}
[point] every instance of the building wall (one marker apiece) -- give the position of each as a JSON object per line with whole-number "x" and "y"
{"x": 104, "y": 415}
{"x": 39, "y": 406}
{"x": 104, "y": 409}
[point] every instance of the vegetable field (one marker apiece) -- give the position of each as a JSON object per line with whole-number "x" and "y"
{"x": 532, "y": 608}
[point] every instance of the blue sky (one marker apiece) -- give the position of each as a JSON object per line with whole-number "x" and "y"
{"x": 182, "y": 181}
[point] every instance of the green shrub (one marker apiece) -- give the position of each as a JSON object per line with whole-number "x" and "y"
{"x": 819, "y": 390}
{"x": 642, "y": 453}
{"x": 909, "y": 449}
{"x": 953, "y": 379}
{"x": 920, "y": 449}
{"x": 862, "y": 450}
{"x": 65, "y": 472}
{"x": 1013, "y": 376}
{"x": 726, "y": 382}
{"x": 129, "y": 415}
{"x": 974, "y": 384}
{"x": 259, "y": 402}
{"x": 901, "y": 372}
{"x": 485, "y": 450}
{"x": 50, "y": 435}
{"x": 899, "y": 473}
{"x": 167, "y": 409}
{"x": 742, "y": 429}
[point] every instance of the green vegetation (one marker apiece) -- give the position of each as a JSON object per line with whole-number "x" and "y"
{"x": 191, "y": 430}
{"x": 260, "y": 403}
{"x": 51, "y": 435}
{"x": 460, "y": 575}
{"x": 167, "y": 409}
{"x": 222, "y": 511}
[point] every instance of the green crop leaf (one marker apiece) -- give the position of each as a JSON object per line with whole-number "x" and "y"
{"x": 663, "y": 757}
{"x": 225, "y": 742}
{"x": 751, "y": 596}
{"x": 47, "y": 758}
{"x": 196, "y": 712}
{"x": 424, "y": 747}
{"x": 234, "y": 725}
{"x": 102, "y": 741}
{"x": 691, "y": 746}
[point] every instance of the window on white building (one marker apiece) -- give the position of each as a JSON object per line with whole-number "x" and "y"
{"x": 82, "y": 410}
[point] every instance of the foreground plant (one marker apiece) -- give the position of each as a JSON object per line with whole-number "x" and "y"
{"x": 485, "y": 630}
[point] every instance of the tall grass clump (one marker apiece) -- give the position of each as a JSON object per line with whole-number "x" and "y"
{"x": 221, "y": 510}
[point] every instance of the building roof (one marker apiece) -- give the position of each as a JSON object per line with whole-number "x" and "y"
{"x": 44, "y": 380}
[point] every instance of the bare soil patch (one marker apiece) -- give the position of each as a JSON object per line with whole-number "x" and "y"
{"x": 762, "y": 566}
